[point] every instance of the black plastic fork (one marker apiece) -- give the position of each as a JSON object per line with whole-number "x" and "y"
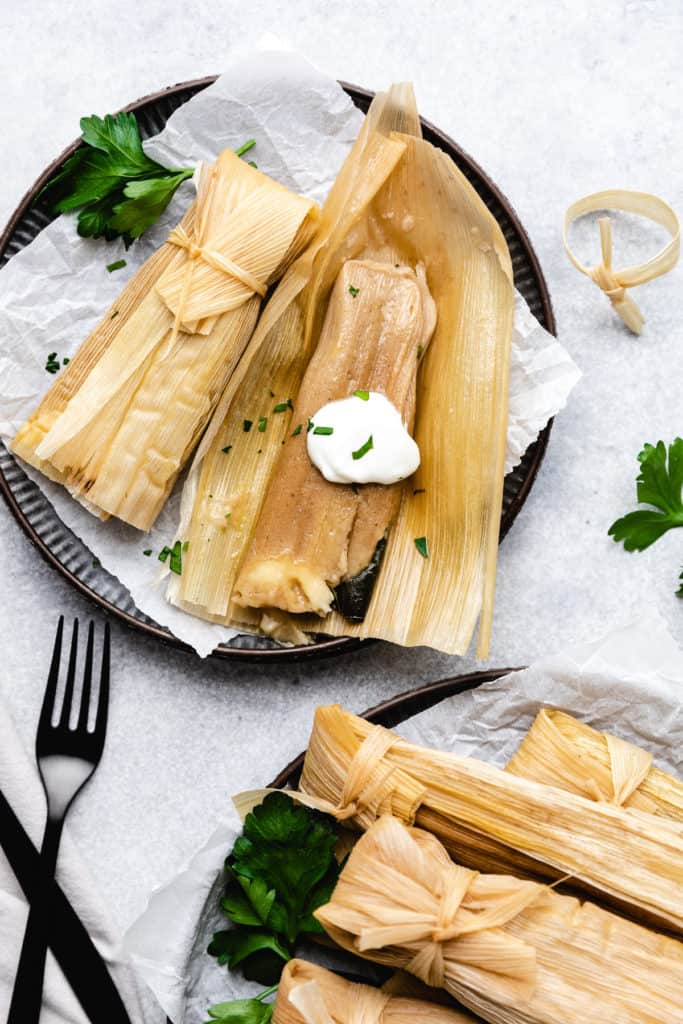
{"x": 67, "y": 757}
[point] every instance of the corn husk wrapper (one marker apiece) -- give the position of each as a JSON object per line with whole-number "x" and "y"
{"x": 510, "y": 950}
{"x": 560, "y": 751}
{"x": 309, "y": 994}
{"x": 397, "y": 200}
{"x": 491, "y": 820}
{"x": 122, "y": 419}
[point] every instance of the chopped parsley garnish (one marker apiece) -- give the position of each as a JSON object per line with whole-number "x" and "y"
{"x": 116, "y": 265}
{"x": 421, "y": 545}
{"x": 176, "y": 562}
{"x": 186, "y": 545}
{"x": 52, "y": 365}
{"x": 228, "y": 514}
{"x": 252, "y": 163}
{"x": 353, "y": 291}
{"x": 325, "y": 431}
{"x": 419, "y": 490}
{"x": 97, "y": 564}
{"x": 309, "y": 427}
{"x": 247, "y": 425}
{"x": 262, "y": 421}
{"x": 660, "y": 485}
{"x": 297, "y": 429}
{"x": 420, "y": 350}
{"x": 164, "y": 553}
{"x": 147, "y": 552}
{"x": 283, "y": 406}
{"x": 363, "y": 450}
{"x": 679, "y": 592}
{"x": 227, "y": 448}
{"x": 363, "y": 395}
{"x": 65, "y": 361}
{"x": 245, "y": 147}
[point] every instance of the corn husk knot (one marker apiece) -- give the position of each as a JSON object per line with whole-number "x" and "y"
{"x": 180, "y": 237}
{"x": 606, "y": 279}
{"x": 363, "y": 781}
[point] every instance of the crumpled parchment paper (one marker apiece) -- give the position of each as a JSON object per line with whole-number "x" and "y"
{"x": 629, "y": 682}
{"x": 53, "y": 292}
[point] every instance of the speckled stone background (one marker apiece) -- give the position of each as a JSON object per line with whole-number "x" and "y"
{"x": 555, "y": 101}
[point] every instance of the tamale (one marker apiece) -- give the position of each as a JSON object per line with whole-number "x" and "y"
{"x": 122, "y": 419}
{"x": 560, "y": 751}
{"x": 397, "y": 200}
{"x": 488, "y": 817}
{"x": 308, "y": 994}
{"x": 311, "y": 533}
{"x": 513, "y": 951}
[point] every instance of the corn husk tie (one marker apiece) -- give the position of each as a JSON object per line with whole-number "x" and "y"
{"x": 308, "y": 1000}
{"x": 194, "y": 245}
{"x": 614, "y": 283}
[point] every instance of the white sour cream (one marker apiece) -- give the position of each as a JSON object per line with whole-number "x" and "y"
{"x": 392, "y": 457}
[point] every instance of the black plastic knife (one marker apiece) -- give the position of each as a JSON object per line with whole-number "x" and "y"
{"x": 74, "y": 950}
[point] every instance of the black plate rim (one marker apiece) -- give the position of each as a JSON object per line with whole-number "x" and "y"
{"x": 332, "y": 645}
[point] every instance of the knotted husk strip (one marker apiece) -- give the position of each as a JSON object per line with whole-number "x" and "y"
{"x": 426, "y": 213}
{"x": 121, "y": 421}
{"x": 512, "y": 951}
{"x": 309, "y": 994}
{"x": 560, "y": 751}
{"x": 614, "y": 283}
{"x": 624, "y": 856}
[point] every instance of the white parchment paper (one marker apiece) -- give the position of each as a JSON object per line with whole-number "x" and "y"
{"x": 629, "y": 682}
{"x": 53, "y": 292}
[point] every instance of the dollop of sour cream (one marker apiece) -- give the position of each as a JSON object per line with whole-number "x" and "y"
{"x": 371, "y": 429}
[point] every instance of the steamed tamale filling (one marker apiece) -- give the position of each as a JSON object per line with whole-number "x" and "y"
{"x": 313, "y": 534}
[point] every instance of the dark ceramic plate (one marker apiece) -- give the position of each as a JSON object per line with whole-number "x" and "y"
{"x": 71, "y": 557}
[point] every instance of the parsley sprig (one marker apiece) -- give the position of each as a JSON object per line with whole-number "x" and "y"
{"x": 280, "y": 870}
{"x": 659, "y": 484}
{"x": 244, "y": 1011}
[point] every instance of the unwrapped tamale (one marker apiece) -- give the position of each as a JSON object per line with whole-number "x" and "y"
{"x": 560, "y": 751}
{"x": 122, "y": 419}
{"x": 308, "y": 994}
{"x": 489, "y": 819}
{"x": 513, "y": 951}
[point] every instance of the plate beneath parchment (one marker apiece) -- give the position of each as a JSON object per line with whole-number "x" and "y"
{"x": 70, "y": 556}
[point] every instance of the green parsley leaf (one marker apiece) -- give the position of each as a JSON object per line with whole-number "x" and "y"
{"x": 247, "y": 424}
{"x": 297, "y": 430}
{"x": 245, "y": 147}
{"x": 262, "y": 421}
{"x": 244, "y": 1011}
{"x": 353, "y": 291}
{"x": 283, "y": 406}
{"x": 252, "y": 163}
{"x": 52, "y": 364}
{"x": 176, "y": 563}
{"x": 421, "y": 545}
{"x": 116, "y": 265}
{"x": 147, "y": 552}
{"x": 280, "y": 870}
{"x": 117, "y": 188}
{"x": 325, "y": 431}
{"x": 363, "y": 395}
{"x": 657, "y": 484}
{"x": 363, "y": 450}
{"x": 164, "y": 553}
{"x": 227, "y": 448}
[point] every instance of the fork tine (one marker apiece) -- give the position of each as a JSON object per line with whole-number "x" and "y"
{"x": 83, "y": 714}
{"x": 103, "y": 698}
{"x": 47, "y": 709}
{"x": 70, "y": 677}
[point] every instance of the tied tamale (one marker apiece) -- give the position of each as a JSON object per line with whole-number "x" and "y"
{"x": 513, "y": 951}
{"x": 403, "y": 205}
{"x": 560, "y": 751}
{"x": 313, "y": 534}
{"x": 492, "y": 820}
{"x": 121, "y": 421}
{"x": 308, "y": 994}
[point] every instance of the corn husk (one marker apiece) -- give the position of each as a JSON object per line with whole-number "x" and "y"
{"x": 397, "y": 200}
{"x": 560, "y": 751}
{"x": 512, "y": 951}
{"x": 309, "y": 994}
{"x": 122, "y": 420}
{"x": 492, "y": 820}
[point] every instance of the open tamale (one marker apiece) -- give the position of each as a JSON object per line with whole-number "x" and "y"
{"x": 513, "y": 951}
{"x": 122, "y": 419}
{"x": 401, "y": 215}
{"x": 492, "y": 820}
{"x": 560, "y": 751}
{"x": 308, "y": 994}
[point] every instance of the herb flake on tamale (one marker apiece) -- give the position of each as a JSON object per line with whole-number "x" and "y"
{"x": 311, "y": 533}
{"x": 561, "y": 751}
{"x": 513, "y": 951}
{"x": 488, "y": 817}
{"x": 123, "y": 419}
{"x": 308, "y": 994}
